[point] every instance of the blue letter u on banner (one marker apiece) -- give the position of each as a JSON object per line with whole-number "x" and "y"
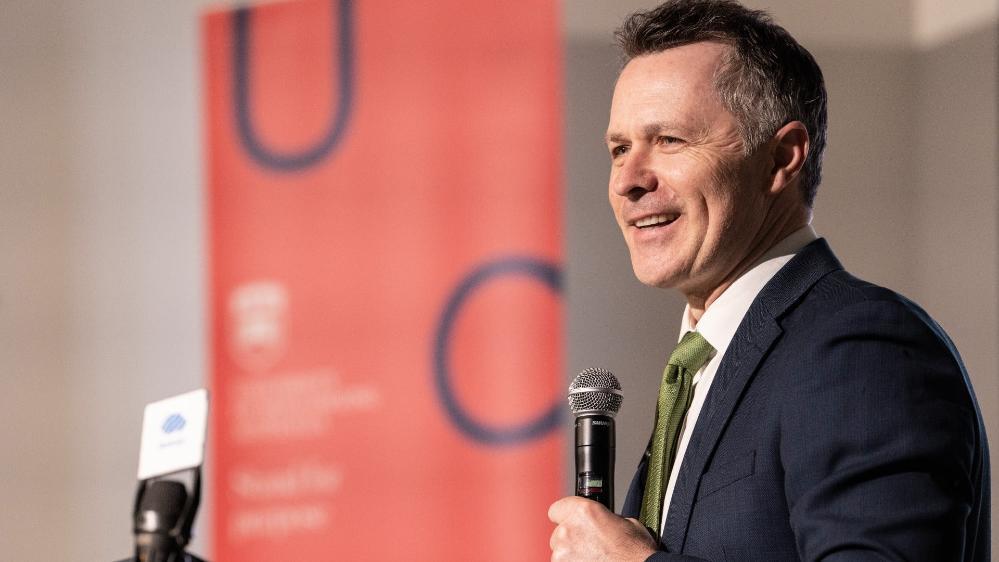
{"x": 546, "y": 273}
{"x": 255, "y": 147}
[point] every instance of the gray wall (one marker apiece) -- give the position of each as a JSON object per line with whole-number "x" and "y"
{"x": 101, "y": 259}
{"x": 102, "y": 263}
{"x": 34, "y": 476}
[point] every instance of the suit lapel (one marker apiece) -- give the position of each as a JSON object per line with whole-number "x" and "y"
{"x": 757, "y": 333}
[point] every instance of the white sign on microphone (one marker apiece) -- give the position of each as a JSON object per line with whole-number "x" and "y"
{"x": 173, "y": 434}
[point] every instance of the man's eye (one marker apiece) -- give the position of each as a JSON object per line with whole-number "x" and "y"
{"x": 666, "y": 139}
{"x": 619, "y": 150}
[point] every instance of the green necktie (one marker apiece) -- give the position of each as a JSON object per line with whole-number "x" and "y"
{"x": 675, "y": 392}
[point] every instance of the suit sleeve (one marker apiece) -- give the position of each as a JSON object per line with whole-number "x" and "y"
{"x": 879, "y": 439}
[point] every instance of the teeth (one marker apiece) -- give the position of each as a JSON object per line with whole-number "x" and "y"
{"x": 654, "y": 220}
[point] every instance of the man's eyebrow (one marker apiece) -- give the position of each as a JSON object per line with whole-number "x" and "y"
{"x": 653, "y": 129}
{"x": 649, "y": 130}
{"x": 615, "y": 138}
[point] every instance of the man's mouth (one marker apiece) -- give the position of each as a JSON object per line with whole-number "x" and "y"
{"x": 656, "y": 220}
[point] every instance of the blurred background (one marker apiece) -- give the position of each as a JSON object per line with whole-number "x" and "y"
{"x": 102, "y": 225}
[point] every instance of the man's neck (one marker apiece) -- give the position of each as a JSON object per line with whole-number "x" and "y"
{"x": 698, "y": 302}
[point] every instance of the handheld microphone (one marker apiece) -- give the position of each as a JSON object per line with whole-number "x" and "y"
{"x": 595, "y": 398}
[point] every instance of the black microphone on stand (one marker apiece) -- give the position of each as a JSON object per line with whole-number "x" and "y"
{"x": 171, "y": 454}
{"x": 163, "y": 517}
{"x": 595, "y": 398}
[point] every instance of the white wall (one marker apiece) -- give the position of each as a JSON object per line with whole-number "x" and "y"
{"x": 101, "y": 226}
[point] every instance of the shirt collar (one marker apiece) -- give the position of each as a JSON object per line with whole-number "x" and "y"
{"x": 720, "y": 320}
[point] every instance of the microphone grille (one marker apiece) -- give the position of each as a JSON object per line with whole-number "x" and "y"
{"x": 595, "y": 390}
{"x": 161, "y": 505}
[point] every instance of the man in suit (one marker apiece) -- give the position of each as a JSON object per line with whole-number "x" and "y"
{"x": 807, "y": 415}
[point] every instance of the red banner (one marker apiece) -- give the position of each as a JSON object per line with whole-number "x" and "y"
{"x": 385, "y": 216}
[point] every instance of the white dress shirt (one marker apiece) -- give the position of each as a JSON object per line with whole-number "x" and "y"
{"x": 718, "y": 325}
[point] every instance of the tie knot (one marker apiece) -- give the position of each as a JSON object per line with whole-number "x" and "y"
{"x": 691, "y": 353}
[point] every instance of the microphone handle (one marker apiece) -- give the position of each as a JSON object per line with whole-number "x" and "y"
{"x": 595, "y": 458}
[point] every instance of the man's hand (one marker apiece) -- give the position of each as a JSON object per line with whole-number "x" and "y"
{"x": 587, "y": 531}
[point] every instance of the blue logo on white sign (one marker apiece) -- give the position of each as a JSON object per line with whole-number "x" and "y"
{"x": 173, "y": 434}
{"x": 174, "y": 422}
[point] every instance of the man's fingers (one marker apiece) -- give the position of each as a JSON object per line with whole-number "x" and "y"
{"x": 634, "y": 522}
{"x": 638, "y": 524}
{"x": 586, "y": 530}
{"x": 565, "y": 507}
{"x": 559, "y": 535}
{"x": 560, "y": 510}
{"x": 555, "y": 511}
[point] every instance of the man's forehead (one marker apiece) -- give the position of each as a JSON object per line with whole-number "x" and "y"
{"x": 671, "y": 90}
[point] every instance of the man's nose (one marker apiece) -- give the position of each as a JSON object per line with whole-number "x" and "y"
{"x": 634, "y": 177}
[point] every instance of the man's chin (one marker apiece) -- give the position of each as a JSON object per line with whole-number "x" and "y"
{"x": 656, "y": 277}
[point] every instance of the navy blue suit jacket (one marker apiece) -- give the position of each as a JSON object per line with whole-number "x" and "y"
{"x": 841, "y": 425}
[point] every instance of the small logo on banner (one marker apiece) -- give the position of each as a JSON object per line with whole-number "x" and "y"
{"x": 174, "y": 422}
{"x": 258, "y": 325}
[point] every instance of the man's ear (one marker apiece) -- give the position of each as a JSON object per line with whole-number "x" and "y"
{"x": 790, "y": 146}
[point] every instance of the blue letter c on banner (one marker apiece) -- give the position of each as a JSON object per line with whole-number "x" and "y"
{"x": 550, "y": 276}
